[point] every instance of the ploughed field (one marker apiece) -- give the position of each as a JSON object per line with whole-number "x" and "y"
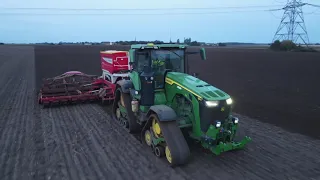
{"x": 82, "y": 142}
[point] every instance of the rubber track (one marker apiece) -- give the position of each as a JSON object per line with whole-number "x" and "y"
{"x": 176, "y": 142}
{"x": 82, "y": 141}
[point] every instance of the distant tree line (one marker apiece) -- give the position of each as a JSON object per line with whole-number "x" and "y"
{"x": 276, "y": 46}
{"x": 137, "y": 42}
{"x": 187, "y": 41}
{"x": 287, "y": 45}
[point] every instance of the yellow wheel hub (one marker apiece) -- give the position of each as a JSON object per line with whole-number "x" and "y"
{"x": 147, "y": 138}
{"x": 168, "y": 155}
{"x": 156, "y": 128}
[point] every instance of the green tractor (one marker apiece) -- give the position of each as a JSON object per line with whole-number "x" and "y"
{"x": 164, "y": 105}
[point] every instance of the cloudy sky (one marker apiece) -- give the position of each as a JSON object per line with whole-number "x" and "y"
{"x": 221, "y": 23}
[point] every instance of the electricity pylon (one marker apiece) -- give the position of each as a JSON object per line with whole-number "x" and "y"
{"x": 292, "y": 26}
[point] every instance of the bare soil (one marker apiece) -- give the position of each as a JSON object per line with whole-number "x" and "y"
{"x": 82, "y": 142}
{"x": 279, "y": 88}
{"x": 275, "y": 87}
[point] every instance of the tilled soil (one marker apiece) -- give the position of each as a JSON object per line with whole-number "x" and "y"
{"x": 82, "y": 142}
{"x": 275, "y": 87}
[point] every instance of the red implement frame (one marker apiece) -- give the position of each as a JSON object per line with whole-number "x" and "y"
{"x": 75, "y": 87}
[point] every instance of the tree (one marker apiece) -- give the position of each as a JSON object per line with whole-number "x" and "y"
{"x": 195, "y": 43}
{"x": 187, "y": 41}
{"x": 222, "y": 44}
{"x": 287, "y": 45}
{"x": 276, "y": 45}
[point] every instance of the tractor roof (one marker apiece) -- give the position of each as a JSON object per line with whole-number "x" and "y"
{"x": 152, "y": 46}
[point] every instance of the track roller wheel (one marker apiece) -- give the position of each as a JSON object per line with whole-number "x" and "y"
{"x": 176, "y": 149}
{"x": 156, "y": 128}
{"x": 148, "y": 137}
{"x": 159, "y": 151}
{"x": 168, "y": 154}
{"x": 125, "y": 99}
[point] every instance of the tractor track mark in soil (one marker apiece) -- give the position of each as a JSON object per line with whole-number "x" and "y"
{"x": 126, "y": 161}
{"x": 15, "y": 134}
{"x": 6, "y": 126}
{"x": 13, "y": 113}
{"x": 39, "y": 151}
{"x": 65, "y": 165}
{"x": 85, "y": 141}
{"x": 16, "y": 115}
{"x": 105, "y": 152}
{"x": 9, "y": 90}
{"x": 50, "y": 143}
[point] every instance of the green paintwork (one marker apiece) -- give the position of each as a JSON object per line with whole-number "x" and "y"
{"x": 203, "y": 54}
{"x": 144, "y": 108}
{"x": 223, "y": 147}
{"x": 157, "y": 141}
{"x": 160, "y": 97}
{"x": 197, "y": 86}
{"x": 122, "y": 109}
{"x": 184, "y": 93}
{"x": 134, "y": 76}
{"x": 212, "y": 132}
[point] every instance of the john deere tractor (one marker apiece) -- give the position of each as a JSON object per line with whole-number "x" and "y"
{"x": 164, "y": 105}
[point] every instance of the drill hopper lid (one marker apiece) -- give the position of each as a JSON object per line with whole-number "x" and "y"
{"x": 72, "y": 72}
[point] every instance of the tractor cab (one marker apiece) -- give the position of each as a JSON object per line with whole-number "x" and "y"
{"x": 159, "y": 59}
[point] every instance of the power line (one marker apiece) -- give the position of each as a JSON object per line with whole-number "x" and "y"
{"x": 314, "y": 5}
{"x": 139, "y": 9}
{"x": 124, "y": 14}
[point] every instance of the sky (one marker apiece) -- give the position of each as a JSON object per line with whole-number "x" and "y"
{"x": 255, "y": 25}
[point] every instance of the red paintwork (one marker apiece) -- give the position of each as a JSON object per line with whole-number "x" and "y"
{"x": 91, "y": 94}
{"x": 114, "y": 61}
{"x": 75, "y": 86}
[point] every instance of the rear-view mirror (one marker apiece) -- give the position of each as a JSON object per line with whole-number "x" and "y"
{"x": 131, "y": 54}
{"x": 203, "y": 54}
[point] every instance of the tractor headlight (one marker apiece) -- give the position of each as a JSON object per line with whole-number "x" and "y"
{"x": 218, "y": 124}
{"x": 229, "y": 101}
{"x": 212, "y": 103}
